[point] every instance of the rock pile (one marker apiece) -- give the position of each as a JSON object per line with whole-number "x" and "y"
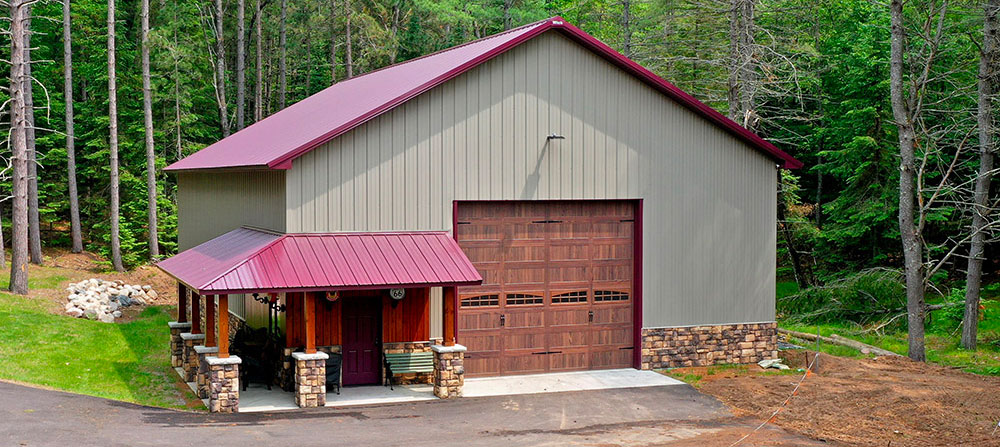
{"x": 97, "y": 299}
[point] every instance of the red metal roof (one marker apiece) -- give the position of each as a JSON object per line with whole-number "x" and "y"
{"x": 280, "y": 138}
{"x": 248, "y": 260}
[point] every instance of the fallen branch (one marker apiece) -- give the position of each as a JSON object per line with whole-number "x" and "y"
{"x": 838, "y": 340}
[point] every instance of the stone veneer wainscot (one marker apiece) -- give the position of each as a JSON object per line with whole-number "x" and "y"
{"x": 708, "y": 345}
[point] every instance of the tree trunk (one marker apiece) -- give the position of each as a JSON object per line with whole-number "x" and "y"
{"x": 508, "y": 21}
{"x": 743, "y": 77}
{"x": 395, "y": 33}
{"x": 19, "y": 13}
{"x": 258, "y": 97}
{"x": 74, "y": 197}
{"x": 116, "y": 249}
{"x": 34, "y": 232}
{"x": 333, "y": 42}
{"x": 800, "y": 275}
{"x": 178, "y": 144}
{"x": 240, "y": 63}
{"x": 3, "y": 246}
{"x": 348, "y": 58}
{"x": 981, "y": 210}
{"x": 147, "y": 109}
{"x": 627, "y": 29}
{"x": 282, "y": 68}
{"x": 910, "y": 235}
{"x": 220, "y": 68}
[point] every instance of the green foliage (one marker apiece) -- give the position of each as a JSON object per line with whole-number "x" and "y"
{"x": 862, "y": 298}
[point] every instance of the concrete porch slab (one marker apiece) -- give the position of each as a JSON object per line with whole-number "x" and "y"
{"x": 257, "y": 398}
{"x": 560, "y": 382}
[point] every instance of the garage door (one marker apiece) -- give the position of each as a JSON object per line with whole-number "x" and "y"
{"x": 557, "y": 288}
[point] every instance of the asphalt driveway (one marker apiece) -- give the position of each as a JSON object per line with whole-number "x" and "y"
{"x": 668, "y": 415}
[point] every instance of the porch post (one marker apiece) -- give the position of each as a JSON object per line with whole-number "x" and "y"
{"x": 223, "y": 326}
{"x": 179, "y": 327}
{"x": 309, "y": 320}
{"x": 182, "y": 311}
{"x": 449, "y": 303}
{"x": 209, "y": 320}
{"x": 201, "y": 379}
{"x": 195, "y": 313}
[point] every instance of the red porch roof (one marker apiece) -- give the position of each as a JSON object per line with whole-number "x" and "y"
{"x": 277, "y": 140}
{"x": 247, "y": 260}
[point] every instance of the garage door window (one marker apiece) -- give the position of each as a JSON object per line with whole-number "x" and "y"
{"x": 570, "y": 297}
{"x": 520, "y": 299}
{"x": 609, "y": 295}
{"x": 481, "y": 301}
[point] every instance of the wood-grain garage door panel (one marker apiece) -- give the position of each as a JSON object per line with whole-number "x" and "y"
{"x": 557, "y": 286}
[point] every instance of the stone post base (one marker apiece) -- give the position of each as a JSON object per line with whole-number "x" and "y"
{"x": 201, "y": 378}
{"x": 449, "y": 371}
{"x": 224, "y": 384}
{"x": 176, "y": 344}
{"x": 310, "y": 379}
{"x": 189, "y": 360}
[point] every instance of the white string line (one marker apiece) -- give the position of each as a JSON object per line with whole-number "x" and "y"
{"x": 777, "y": 410}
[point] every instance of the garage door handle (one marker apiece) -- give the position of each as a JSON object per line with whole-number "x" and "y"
{"x": 627, "y": 347}
{"x": 503, "y": 320}
{"x": 539, "y": 353}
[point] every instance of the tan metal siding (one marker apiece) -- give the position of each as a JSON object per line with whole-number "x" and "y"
{"x": 210, "y": 204}
{"x": 709, "y": 219}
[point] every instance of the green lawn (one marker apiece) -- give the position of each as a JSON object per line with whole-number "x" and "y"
{"x": 126, "y": 361}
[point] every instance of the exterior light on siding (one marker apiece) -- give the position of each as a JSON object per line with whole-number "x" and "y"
{"x": 555, "y": 137}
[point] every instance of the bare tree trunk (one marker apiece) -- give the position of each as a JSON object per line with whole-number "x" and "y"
{"x": 282, "y": 67}
{"x": 3, "y": 246}
{"x": 508, "y": 21}
{"x": 981, "y": 209}
{"x": 395, "y": 32}
{"x": 627, "y": 29}
{"x": 220, "y": 68}
{"x": 178, "y": 145}
{"x": 240, "y": 63}
{"x": 74, "y": 197}
{"x": 348, "y": 59}
{"x": 333, "y": 42}
{"x": 34, "y": 232}
{"x": 19, "y": 13}
{"x": 258, "y": 106}
{"x": 116, "y": 249}
{"x": 147, "y": 109}
{"x": 910, "y": 234}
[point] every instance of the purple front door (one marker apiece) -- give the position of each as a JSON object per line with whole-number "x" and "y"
{"x": 361, "y": 338}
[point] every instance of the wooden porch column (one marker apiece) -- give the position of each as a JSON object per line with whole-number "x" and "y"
{"x": 209, "y": 321}
{"x": 182, "y": 303}
{"x": 223, "y": 327}
{"x": 449, "y": 301}
{"x": 195, "y": 313}
{"x": 309, "y": 320}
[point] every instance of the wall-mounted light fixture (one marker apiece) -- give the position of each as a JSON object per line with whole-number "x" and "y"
{"x": 555, "y": 136}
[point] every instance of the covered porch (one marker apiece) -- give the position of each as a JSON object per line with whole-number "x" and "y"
{"x": 355, "y": 308}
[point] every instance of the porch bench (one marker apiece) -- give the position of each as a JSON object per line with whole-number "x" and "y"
{"x": 405, "y": 363}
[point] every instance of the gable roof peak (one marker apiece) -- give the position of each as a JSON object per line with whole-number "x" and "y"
{"x": 274, "y": 142}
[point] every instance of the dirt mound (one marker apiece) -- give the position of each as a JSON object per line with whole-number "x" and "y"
{"x": 870, "y": 402}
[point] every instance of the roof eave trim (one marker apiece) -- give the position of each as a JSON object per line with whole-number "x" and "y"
{"x": 342, "y": 287}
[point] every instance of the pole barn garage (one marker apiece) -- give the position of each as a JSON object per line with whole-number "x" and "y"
{"x": 597, "y": 217}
